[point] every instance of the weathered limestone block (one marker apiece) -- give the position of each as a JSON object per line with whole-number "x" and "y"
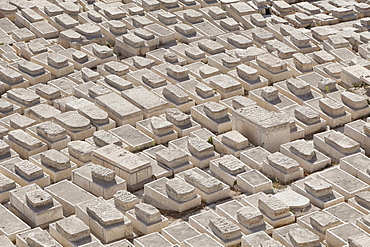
{"x": 38, "y": 198}
{"x": 167, "y": 18}
{"x": 24, "y": 140}
{"x": 81, "y": 150}
{"x": 160, "y": 126}
{"x": 193, "y": 16}
{"x": 363, "y": 198}
{"x": 303, "y": 149}
{"x": 203, "y": 90}
{"x": 215, "y": 111}
{"x": 117, "y": 82}
{"x": 23, "y": 96}
{"x": 178, "y": 72}
{"x": 331, "y": 107}
{"x": 55, "y": 159}
{"x": 353, "y": 100}
{"x": 224, "y": 228}
{"x": 250, "y": 217}
{"x": 105, "y": 213}
{"x": 327, "y": 85}
{"x": 342, "y": 143}
{"x": 270, "y": 93}
{"x": 172, "y": 157}
{"x": 262, "y": 35}
{"x": 302, "y": 236}
{"x": 102, "y": 138}
{"x": 103, "y": 173}
{"x": 247, "y": 73}
{"x": 31, "y": 68}
{"x": 180, "y": 190}
{"x": 306, "y": 115}
{"x": 73, "y": 121}
{"x": 6, "y": 184}
{"x": 318, "y": 187}
{"x": 208, "y": 185}
{"x": 177, "y": 117}
{"x": 283, "y": 162}
{"x": 200, "y": 148}
{"x": 273, "y": 207}
{"x": 235, "y": 139}
{"x": 125, "y": 200}
{"x": 72, "y": 228}
{"x": 51, "y": 131}
{"x": 40, "y": 239}
{"x": 302, "y": 62}
{"x": 57, "y": 61}
{"x": 239, "y": 41}
{"x": 4, "y": 148}
{"x": 323, "y": 221}
{"x": 271, "y": 63}
{"x": 323, "y": 57}
{"x": 147, "y": 213}
{"x": 28, "y": 170}
{"x": 300, "y": 39}
{"x": 232, "y": 166}
{"x": 298, "y": 87}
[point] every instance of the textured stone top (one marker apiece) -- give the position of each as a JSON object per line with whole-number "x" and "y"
{"x": 204, "y": 183}
{"x": 273, "y": 207}
{"x": 38, "y": 198}
{"x": 23, "y": 96}
{"x": 235, "y": 140}
{"x": 4, "y": 147}
{"x": 331, "y": 107}
{"x": 81, "y": 150}
{"x": 323, "y": 221}
{"x": 102, "y": 173}
{"x": 51, "y": 131}
{"x": 177, "y": 117}
{"x": 28, "y": 170}
{"x": 147, "y": 213}
{"x": 118, "y": 82}
{"x": 160, "y": 126}
{"x": 6, "y": 183}
{"x": 270, "y": 93}
{"x": 102, "y": 51}
{"x": 271, "y": 63}
{"x": 172, "y": 157}
{"x": 249, "y": 216}
{"x": 73, "y": 121}
{"x": 353, "y": 100}
{"x": 224, "y": 228}
{"x": 200, "y": 148}
{"x": 303, "y": 149}
{"x": 262, "y": 117}
{"x": 24, "y": 139}
{"x": 283, "y": 162}
{"x": 231, "y": 165}
{"x": 105, "y": 213}
{"x": 103, "y": 138}
{"x": 342, "y": 143}
{"x": 298, "y": 87}
{"x": 55, "y": 159}
{"x": 72, "y": 228}
{"x": 215, "y": 110}
{"x": 299, "y": 236}
{"x": 125, "y": 199}
{"x": 180, "y": 190}
{"x": 41, "y": 239}
{"x": 306, "y": 115}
